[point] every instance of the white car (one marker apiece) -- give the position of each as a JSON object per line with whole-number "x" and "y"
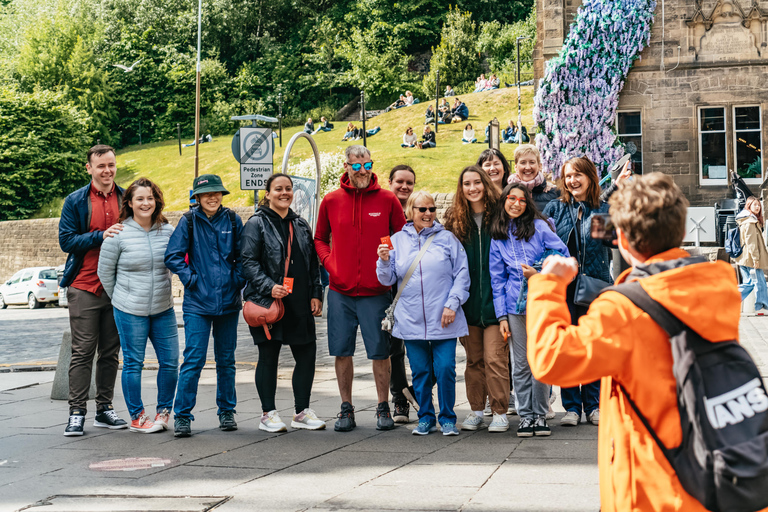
{"x": 34, "y": 286}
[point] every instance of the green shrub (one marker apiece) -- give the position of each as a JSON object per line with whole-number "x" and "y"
{"x": 43, "y": 141}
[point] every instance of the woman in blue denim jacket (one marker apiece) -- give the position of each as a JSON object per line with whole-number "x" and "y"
{"x": 521, "y": 236}
{"x": 580, "y": 197}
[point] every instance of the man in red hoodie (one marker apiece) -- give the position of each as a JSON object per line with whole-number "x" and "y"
{"x": 357, "y": 216}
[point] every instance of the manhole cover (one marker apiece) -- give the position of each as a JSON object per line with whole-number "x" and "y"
{"x": 131, "y": 464}
{"x": 127, "y": 503}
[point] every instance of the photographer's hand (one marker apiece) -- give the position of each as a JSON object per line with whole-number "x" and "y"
{"x": 567, "y": 268}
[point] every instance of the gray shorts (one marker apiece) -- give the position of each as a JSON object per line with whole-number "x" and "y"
{"x": 346, "y": 313}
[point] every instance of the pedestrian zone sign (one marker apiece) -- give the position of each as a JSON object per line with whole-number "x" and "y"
{"x": 256, "y": 150}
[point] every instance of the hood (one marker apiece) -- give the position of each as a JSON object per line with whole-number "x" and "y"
{"x": 436, "y": 228}
{"x": 347, "y": 185}
{"x": 745, "y": 217}
{"x": 703, "y": 295}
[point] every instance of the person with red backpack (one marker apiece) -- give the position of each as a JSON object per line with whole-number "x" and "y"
{"x": 684, "y": 423}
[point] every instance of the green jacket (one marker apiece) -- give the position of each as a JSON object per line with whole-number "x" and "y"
{"x": 479, "y": 307}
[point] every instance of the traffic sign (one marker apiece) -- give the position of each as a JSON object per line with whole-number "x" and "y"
{"x": 255, "y": 150}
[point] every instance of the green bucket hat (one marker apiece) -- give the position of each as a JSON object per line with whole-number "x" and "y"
{"x": 208, "y": 183}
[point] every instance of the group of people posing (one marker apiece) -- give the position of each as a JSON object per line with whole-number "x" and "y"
{"x": 447, "y": 114}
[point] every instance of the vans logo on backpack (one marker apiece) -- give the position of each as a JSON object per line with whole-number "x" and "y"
{"x": 734, "y": 406}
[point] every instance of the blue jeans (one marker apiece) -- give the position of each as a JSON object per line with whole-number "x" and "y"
{"x": 425, "y": 356}
{"x": 748, "y": 284}
{"x": 134, "y": 331}
{"x": 586, "y": 396}
{"x": 197, "y": 331}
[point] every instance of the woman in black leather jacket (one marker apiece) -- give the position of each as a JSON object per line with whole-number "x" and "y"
{"x": 264, "y": 249}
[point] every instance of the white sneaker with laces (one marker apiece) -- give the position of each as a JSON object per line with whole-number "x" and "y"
{"x": 472, "y": 422}
{"x": 308, "y": 420}
{"x": 571, "y": 419}
{"x": 271, "y": 422}
{"x": 594, "y": 417}
{"x": 500, "y": 423}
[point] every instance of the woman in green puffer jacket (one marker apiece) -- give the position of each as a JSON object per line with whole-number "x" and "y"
{"x": 487, "y": 371}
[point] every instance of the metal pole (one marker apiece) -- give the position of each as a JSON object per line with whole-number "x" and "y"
{"x": 437, "y": 98}
{"x": 139, "y": 132}
{"x": 178, "y": 129}
{"x": 519, "y": 100}
{"x": 280, "y": 116}
{"x": 362, "y": 113}
{"x": 197, "y": 88}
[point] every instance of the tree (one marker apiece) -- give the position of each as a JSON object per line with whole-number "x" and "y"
{"x": 43, "y": 142}
{"x": 455, "y": 56}
{"x": 498, "y": 43}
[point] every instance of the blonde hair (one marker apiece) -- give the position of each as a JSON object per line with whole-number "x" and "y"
{"x": 524, "y": 149}
{"x": 412, "y": 201}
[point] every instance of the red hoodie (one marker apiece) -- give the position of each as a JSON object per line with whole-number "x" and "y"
{"x": 357, "y": 219}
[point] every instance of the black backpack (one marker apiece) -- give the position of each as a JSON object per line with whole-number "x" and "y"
{"x": 190, "y": 214}
{"x": 722, "y": 460}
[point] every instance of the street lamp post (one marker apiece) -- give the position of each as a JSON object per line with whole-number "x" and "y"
{"x": 437, "y": 97}
{"x": 178, "y": 131}
{"x": 280, "y": 117}
{"x": 197, "y": 88}
{"x": 362, "y": 114}
{"x": 519, "y": 101}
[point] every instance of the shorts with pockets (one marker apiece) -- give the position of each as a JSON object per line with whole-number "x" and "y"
{"x": 345, "y": 313}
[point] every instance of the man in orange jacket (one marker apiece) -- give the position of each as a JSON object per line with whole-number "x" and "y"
{"x": 618, "y": 342}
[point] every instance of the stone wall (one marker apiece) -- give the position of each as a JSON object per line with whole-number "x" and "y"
{"x": 722, "y": 61}
{"x": 33, "y": 243}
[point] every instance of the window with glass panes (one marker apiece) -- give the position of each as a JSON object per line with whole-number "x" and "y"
{"x": 630, "y": 132}
{"x": 747, "y": 142}
{"x": 712, "y": 145}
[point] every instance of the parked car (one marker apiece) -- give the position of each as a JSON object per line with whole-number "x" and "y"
{"x": 34, "y": 286}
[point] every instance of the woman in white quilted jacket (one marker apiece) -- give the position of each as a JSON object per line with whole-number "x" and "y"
{"x": 133, "y": 272}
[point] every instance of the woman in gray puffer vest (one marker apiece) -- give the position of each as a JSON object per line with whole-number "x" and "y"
{"x": 133, "y": 272}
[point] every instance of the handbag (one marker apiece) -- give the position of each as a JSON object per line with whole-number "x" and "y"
{"x": 586, "y": 288}
{"x": 259, "y": 316}
{"x": 388, "y": 322}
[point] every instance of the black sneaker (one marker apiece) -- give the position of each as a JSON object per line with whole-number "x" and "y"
{"x": 401, "y": 412}
{"x": 75, "y": 424}
{"x": 346, "y": 421}
{"x": 540, "y": 427}
{"x": 182, "y": 427}
{"x": 108, "y": 418}
{"x": 227, "y": 421}
{"x": 525, "y": 428}
{"x": 384, "y": 419}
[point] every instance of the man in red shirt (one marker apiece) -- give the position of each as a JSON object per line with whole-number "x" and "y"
{"x": 357, "y": 216}
{"x": 89, "y": 216}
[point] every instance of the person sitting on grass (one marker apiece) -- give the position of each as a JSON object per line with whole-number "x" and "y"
{"x": 409, "y": 99}
{"x": 460, "y": 112}
{"x": 353, "y": 133}
{"x": 449, "y": 91}
{"x": 429, "y": 116}
{"x": 509, "y": 133}
{"x": 400, "y": 102}
{"x": 428, "y": 139}
{"x": 468, "y": 136}
{"x": 309, "y": 126}
{"x": 409, "y": 138}
{"x": 493, "y": 83}
{"x": 326, "y": 127}
{"x": 444, "y": 114}
{"x": 480, "y": 83}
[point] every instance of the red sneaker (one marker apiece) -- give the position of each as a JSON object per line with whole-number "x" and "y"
{"x": 162, "y": 418}
{"x": 144, "y": 425}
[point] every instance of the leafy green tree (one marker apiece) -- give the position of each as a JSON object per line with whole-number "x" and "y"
{"x": 503, "y": 11}
{"x": 498, "y": 43}
{"x": 456, "y": 56}
{"x": 43, "y": 141}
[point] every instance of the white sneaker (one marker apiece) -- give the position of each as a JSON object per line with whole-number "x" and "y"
{"x": 271, "y": 422}
{"x": 307, "y": 419}
{"x": 472, "y": 422}
{"x": 594, "y": 417}
{"x": 571, "y": 419}
{"x": 499, "y": 423}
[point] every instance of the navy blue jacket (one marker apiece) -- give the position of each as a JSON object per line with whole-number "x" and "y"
{"x": 75, "y": 235}
{"x": 597, "y": 259}
{"x": 213, "y": 279}
{"x": 462, "y": 111}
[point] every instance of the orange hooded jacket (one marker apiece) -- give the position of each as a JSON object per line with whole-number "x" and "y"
{"x": 618, "y": 342}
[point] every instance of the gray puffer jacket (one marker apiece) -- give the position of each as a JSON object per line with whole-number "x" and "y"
{"x": 132, "y": 269}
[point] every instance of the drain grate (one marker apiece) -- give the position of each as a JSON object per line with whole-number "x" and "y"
{"x": 131, "y": 464}
{"x": 127, "y": 503}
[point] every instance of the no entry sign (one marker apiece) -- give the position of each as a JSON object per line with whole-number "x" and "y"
{"x": 255, "y": 147}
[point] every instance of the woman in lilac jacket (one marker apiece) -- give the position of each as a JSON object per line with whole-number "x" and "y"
{"x": 428, "y": 315}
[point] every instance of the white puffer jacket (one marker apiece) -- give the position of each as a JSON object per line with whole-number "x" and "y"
{"x": 132, "y": 269}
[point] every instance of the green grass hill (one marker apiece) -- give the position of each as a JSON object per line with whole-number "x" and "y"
{"x": 436, "y": 168}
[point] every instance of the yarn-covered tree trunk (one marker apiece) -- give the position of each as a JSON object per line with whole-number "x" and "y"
{"x": 575, "y": 106}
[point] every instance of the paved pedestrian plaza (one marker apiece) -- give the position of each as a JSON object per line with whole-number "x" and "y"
{"x": 249, "y": 469}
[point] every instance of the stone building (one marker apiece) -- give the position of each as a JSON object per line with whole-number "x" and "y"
{"x": 700, "y": 111}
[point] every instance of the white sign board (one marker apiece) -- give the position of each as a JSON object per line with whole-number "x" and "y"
{"x": 256, "y": 150}
{"x": 700, "y": 225}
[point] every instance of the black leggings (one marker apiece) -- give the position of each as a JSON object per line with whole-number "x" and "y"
{"x": 303, "y": 373}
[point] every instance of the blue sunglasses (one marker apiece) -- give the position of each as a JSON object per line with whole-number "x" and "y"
{"x": 356, "y": 167}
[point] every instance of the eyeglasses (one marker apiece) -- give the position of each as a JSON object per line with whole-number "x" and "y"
{"x": 515, "y": 199}
{"x": 356, "y": 167}
{"x": 423, "y": 209}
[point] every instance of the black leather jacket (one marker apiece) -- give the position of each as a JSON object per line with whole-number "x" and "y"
{"x": 263, "y": 253}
